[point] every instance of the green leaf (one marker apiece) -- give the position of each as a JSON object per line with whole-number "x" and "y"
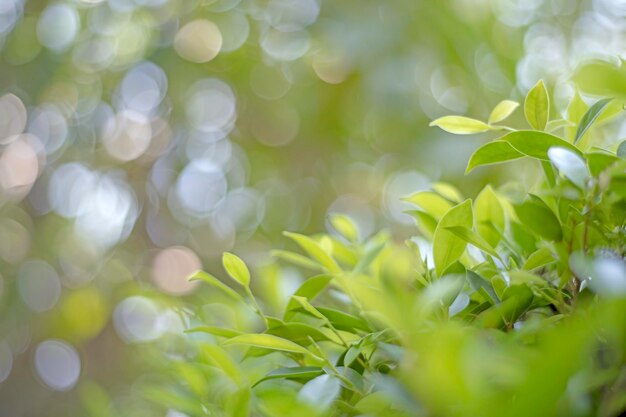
{"x": 267, "y": 341}
{"x": 493, "y": 153}
{"x": 538, "y": 217}
{"x": 590, "y": 116}
{"x": 539, "y": 258}
{"x": 536, "y": 144}
{"x": 301, "y": 333}
{"x": 571, "y": 165}
{"x": 211, "y": 280}
{"x": 460, "y": 125}
{"x": 313, "y": 286}
{"x": 447, "y": 247}
{"x": 448, "y": 191}
{"x": 489, "y": 216}
{"x": 502, "y": 110}
{"x": 599, "y": 161}
{"x": 345, "y": 227}
{"x": 472, "y": 238}
{"x": 296, "y": 372}
{"x": 215, "y": 331}
{"x": 351, "y": 354}
{"x": 306, "y": 306}
{"x": 344, "y": 321}
{"x": 478, "y": 283}
{"x": 537, "y": 106}
{"x": 621, "y": 150}
{"x": 554, "y": 125}
{"x": 515, "y": 301}
{"x": 315, "y": 251}
{"x": 430, "y": 202}
{"x": 601, "y": 78}
{"x": 297, "y": 259}
{"x": 576, "y": 109}
{"x": 236, "y": 269}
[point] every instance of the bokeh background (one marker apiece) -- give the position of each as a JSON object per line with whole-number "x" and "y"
{"x": 140, "y": 139}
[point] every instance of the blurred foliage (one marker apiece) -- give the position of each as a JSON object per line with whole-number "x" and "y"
{"x": 141, "y": 139}
{"x": 510, "y": 304}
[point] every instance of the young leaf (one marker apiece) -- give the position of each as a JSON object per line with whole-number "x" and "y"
{"x": 315, "y": 251}
{"x": 215, "y": 331}
{"x": 297, "y": 259}
{"x": 313, "y": 286}
{"x": 267, "y": 341}
{"x": 502, "y": 110}
{"x": 493, "y": 153}
{"x": 599, "y": 161}
{"x": 536, "y": 144}
{"x": 537, "y": 106}
{"x": 345, "y": 227}
{"x": 554, "y": 125}
{"x": 214, "y": 282}
{"x": 344, "y": 321}
{"x": 302, "y": 333}
{"x": 448, "y": 191}
{"x": 447, "y": 247}
{"x": 236, "y": 269}
{"x": 538, "y": 259}
{"x": 460, "y": 125}
{"x": 540, "y": 219}
{"x": 297, "y": 372}
{"x": 570, "y": 164}
{"x": 430, "y": 202}
{"x": 489, "y": 216}
{"x": 472, "y": 238}
{"x": 590, "y": 116}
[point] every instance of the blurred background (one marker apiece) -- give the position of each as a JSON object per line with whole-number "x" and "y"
{"x": 140, "y": 139}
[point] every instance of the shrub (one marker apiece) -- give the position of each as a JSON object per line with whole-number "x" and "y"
{"x": 511, "y": 304}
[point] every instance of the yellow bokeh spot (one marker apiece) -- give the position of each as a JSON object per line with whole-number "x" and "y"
{"x": 198, "y": 41}
{"x": 83, "y": 313}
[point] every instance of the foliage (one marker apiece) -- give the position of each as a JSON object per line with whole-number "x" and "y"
{"x": 513, "y": 303}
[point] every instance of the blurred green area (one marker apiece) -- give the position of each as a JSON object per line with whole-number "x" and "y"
{"x": 140, "y": 139}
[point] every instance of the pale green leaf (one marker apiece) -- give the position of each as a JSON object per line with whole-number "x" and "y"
{"x": 215, "y": 331}
{"x": 472, "y": 238}
{"x": 448, "y": 191}
{"x": 536, "y": 144}
{"x": 590, "y": 116}
{"x": 430, "y": 202}
{"x": 502, "y": 110}
{"x": 345, "y": 227}
{"x": 493, "y": 153}
{"x": 447, "y": 247}
{"x": 554, "y": 125}
{"x": 315, "y": 251}
{"x": 460, "y": 125}
{"x": 539, "y": 258}
{"x": 489, "y": 216}
{"x": 297, "y": 259}
{"x": 214, "y": 282}
{"x": 539, "y": 218}
{"x": 537, "y": 106}
{"x": 236, "y": 269}
{"x": 267, "y": 341}
{"x": 296, "y": 372}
